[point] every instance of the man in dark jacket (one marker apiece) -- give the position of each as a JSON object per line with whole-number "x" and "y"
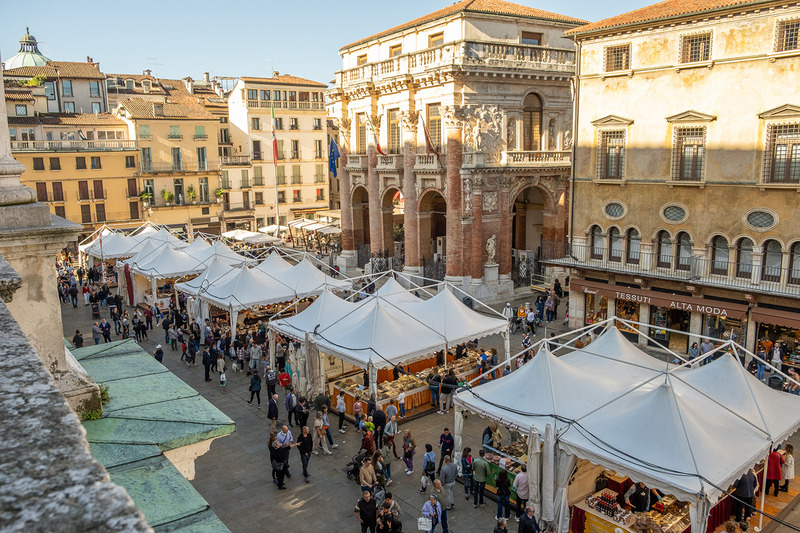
{"x": 207, "y": 362}
{"x": 272, "y": 413}
{"x": 379, "y": 419}
{"x": 367, "y": 512}
{"x": 305, "y": 445}
{"x": 105, "y": 329}
{"x": 527, "y": 523}
{"x": 301, "y": 412}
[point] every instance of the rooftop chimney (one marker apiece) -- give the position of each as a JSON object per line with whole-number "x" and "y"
{"x": 146, "y": 72}
{"x": 275, "y": 73}
{"x": 206, "y": 78}
{"x": 189, "y": 84}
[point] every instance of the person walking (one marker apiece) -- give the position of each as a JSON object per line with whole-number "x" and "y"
{"x": 745, "y": 489}
{"x": 279, "y": 460}
{"x": 366, "y": 475}
{"x": 207, "y": 362}
{"x": 96, "y": 333}
{"x": 521, "y": 486}
{"x": 327, "y": 425}
{"x": 320, "y": 440}
{"x": 255, "y": 388}
{"x": 301, "y": 412}
{"x": 388, "y": 456}
{"x": 448, "y": 476}
{"x": 389, "y": 433}
{"x": 341, "y": 408}
{"x": 105, "y": 329}
{"x": 305, "y": 445}
{"x": 409, "y": 447}
{"x": 433, "y": 510}
{"x": 379, "y": 419}
{"x": 466, "y": 472}
{"x": 367, "y": 512}
{"x": 527, "y": 523}
{"x": 503, "y": 486}
{"x": 271, "y": 379}
{"x": 77, "y": 340}
{"x": 446, "y": 445}
{"x": 291, "y": 401}
{"x": 788, "y": 468}
{"x": 428, "y": 468}
{"x": 272, "y": 412}
{"x": 480, "y": 472}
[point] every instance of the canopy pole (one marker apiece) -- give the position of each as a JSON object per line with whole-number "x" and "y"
{"x": 373, "y": 379}
{"x": 507, "y": 339}
{"x": 271, "y": 337}
{"x": 764, "y": 488}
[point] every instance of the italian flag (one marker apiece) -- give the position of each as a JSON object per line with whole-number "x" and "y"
{"x": 374, "y": 135}
{"x": 274, "y": 138}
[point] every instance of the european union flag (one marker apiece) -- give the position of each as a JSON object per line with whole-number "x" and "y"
{"x": 333, "y": 157}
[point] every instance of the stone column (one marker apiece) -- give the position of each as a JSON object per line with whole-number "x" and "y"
{"x": 347, "y": 259}
{"x": 644, "y": 318}
{"x": 455, "y": 266}
{"x": 413, "y": 260}
{"x": 504, "y": 238}
{"x": 758, "y": 266}
{"x": 373, "y": 189}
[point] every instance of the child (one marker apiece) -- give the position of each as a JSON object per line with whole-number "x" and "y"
{"x": 401, "y": 404}
{"x": 223, "y": 380}
{"x": 357, "y": 408}
{"x": 184, "y": 356}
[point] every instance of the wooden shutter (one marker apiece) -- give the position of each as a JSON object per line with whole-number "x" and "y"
{"x": 58, "y": 192}
{"x": 83, "y": 190}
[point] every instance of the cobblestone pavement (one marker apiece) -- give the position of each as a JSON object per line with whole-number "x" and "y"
{"x": 234, "y": 475}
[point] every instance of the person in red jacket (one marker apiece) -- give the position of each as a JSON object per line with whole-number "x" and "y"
{"x": 774, "y": 474}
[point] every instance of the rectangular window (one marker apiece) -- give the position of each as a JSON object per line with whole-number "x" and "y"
{"x": 100, "y": 210}
{"x": 319, "y": 174}
{"x": 224, "y": 135}
{"x": 94, "y": 89}
{"x": 531, "y": 37}
{"x": 292, "y": 96}
{"x": 361, "y": 141}
{"x": 83, "y": 190}
{"x": 259, "y": 198}
{"x": 177, "y": 161}
{"x": 278, "y": 123}
{"x": 147, "y": 160}
{"x": 280, "y": 175}
{"x": 134, "y": 210}
{"x": 177, "y": 186}
{"x": 61, "y": 211}
{"x": 58, "y": 192}
{"x": 69, "y": 107}
{"x": 782, "y": 163}
{"x": 435, "y": 125}
{"x": 695, "y": 48}
{"x": 293, "y": 124}
{"x": 66, "y": 88}
{"x": 618, "y": 58}
{"x": 245, "y": 178}
{"x": 38, "y": 163}
{"x": 223, "y": 176}
{"x": 258, "y": 176}
{"x": 202, "y": 160}
{"x": 21, "y": 110}
{"x": 297, "y": 196}
{"x": 132, "y": 188}
{"x": 611, "y": 156}
{"x": 395, "y": 50}
{"x": 174, "y": 132}
{"x": 787, "y": 38}
{"x": 96, "y": 163}
{"x": 281, "y": 197}
{"x": 265, "y": 95}
{"x": 688, "y": 154}
{"x": 200, "y": 132}
{"x": 252, "y": 94}
{"x": 55, "y": 163}
{"x": 50, "y": 90}
{"x": 295, "y": 149}
{"x": 80, "y": 163}
{"x": 318, "y": 149}
{"x": 320, "y": 195}
{"x": 202, "y": 190}
{"x": 86, "y": 213}
{"x": 150, "y": 186}
{"x": 130, "y": 161}
{"x": 361, "y": 60}
{"x": 296, "y": 178}
{"x": 394, "y": 131}
{"x": 280, "y": 150}
{"x": 96, "y": 107}
{"x": 255, "y": 123}
{"x": 144, "y": 131}
{"x": 12, "y": 134}
{"x": 317, "y": 123}
{"x": 41, "y": 191}
{"x": 257, "y": 150}
{"x": 276, "y": 95}
{"x": 436, "y": 39}
{"x": 97, "y": 186}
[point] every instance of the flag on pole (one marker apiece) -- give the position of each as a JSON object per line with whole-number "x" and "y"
{"x": 274, "y": 138}
{"x": 428, "y": 143}
{"x": 333, "y": 157}
{"x": 374, "y": 135}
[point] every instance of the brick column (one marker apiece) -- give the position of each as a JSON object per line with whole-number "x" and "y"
{"x": 455, "y": 266}
{"x": 409, "y": 122}
{"x": 346, "y": 199}
{"x": 504, "y": 237}
{"x": 478, "y": 244}
{"x": 373, "y": 188}
{"x": 387, "y": 221}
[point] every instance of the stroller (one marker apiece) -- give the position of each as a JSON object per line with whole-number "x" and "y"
{"x": 95, "y": 310}
{"x": 353, "y": 467}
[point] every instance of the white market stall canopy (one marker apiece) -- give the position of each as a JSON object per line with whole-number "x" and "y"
{"x": 215, "y": 270}
{"x": 112, "y": 246}
{"x": 250, "y": 237}
{"x": 307, "y": 280}
{"x": 274, "y": 263}
{"x": 196, "y": 246}
{"x": 168, "y": 263}
{"x": 221, "y": 251}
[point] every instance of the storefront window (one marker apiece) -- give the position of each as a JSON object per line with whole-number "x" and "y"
{"x": 628, "y": 311}
{"x": 790, "y": 337}
{"x": 596, "y": 308}
{"x": 664, "y": 318}
{"x": 725, "y": 327}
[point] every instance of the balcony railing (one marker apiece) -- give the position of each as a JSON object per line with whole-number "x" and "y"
{"x": 319, "y": 178}
{"x": 295, "y": 155}
{"x": 357, "y": 162}
{"x": 234, "y": 160}
{"x": 50, "y": 197}
{"x": 91, "y": 195}
{"x": 202, "y": 137}
{"x": 175, "y": 137}
{"x": 281, "y": 180}
{"x": 280, "y": 104}
{"x": 245, "y": 184}
{"x": 522, "y": 159}
{"x": 428, "y": 162}
{"x": 297, "y": 180}
{"x": 319, "y": 155}
{"x": 226, "y": 184}
{"x": 694, "y": 269}
{"x": 258, "y": 182}
{"x": 390, "y": 162}
{"x": 185, "y": 166}
{"x": 71, "y": 146}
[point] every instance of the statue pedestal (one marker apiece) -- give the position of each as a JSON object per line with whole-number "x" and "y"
{"x": 491, "y": 273}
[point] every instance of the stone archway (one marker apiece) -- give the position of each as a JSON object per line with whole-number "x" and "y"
{"x": 432, "y": 225}
{"x": 360, "y": 207}
{"x": 391, "y": 218}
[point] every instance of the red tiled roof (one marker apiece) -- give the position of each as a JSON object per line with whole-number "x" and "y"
{"x": 285, "y": 79}
{"x": 80, "y": 119}
{"x": 58, "y": 69}
{"x": 19, "y": 96}
{"x": 23, "y": 120}
{"x": 493, "y": 7}
{"x": 175, "y": 108}
{"x": 663, "y": 10}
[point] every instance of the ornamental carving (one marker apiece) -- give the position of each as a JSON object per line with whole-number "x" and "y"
{"x": 467, "y": 197}
{"x": 511, "y": 134}
{"x": 409, "y": 120}
{"x": 489, "y": 202}
{"x": 452, "y": 116}
{"x": 483, "y": 129}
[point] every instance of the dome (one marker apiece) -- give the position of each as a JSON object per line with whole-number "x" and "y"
{"x": 28, "y": 55}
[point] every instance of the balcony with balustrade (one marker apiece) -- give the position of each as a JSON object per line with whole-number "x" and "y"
{"x": 390, "y": 162}
{"x": 234, "y": 161}
{"x": 357, "y": 162}
{"x": 519, "y": 159}
{"x": 148, "y": 167}
{"x": 73, "y": 146}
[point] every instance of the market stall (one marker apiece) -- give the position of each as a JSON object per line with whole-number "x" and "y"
{"x": 167, "y": 264}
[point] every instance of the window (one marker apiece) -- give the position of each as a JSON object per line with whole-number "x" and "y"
{"x": 782, "y": 163}
{"x": 200, "y": 132}
{"x": 293, "y": 125}
{"x": 435, "y": 39}
{"x": 66, "y": 88}
{"x": 435, "y": 126}
{"x": 296, "y": 177}
{"x": 759, "y": 219}
{"x": 21, "y": 110}
{"x": 719, "y": 255}
{"x": 395, "y": 50}
{"x": 96, "y": 107}
{"x": 695, "y": 48}
{"x": 280, "y": 175}
{"x": 41, "y": 191}
{"x": 177, "y": 186}
{"x": 96, "y": 163}
{"x": 265, "y": 95}
{"x": 223, "y": 176}
{"x": 688, "y": 154}
{"x": 58, "y": 192}
{"x": 531, "y": 37}
{"x": 292, "y": 96}
{"x": 787, "y": 35}
{"x": 279, "y": 123}
{"x": 259, "y": 198}
{"x": 86, "y": 213}
{"x": 614, "y": 245}
{"x": 320, "y": 195}
{"x": 132, "y": 188}
{"x": 281, "y": 197}
{"x": 276, "y": 95}
{"x": 134, "y": 210}
{"x": 361, "y": 60}
{"x": 318, "y": 154}
{"x": 794, "y": 264}
{"x": 147, "y": 85}
{"x": 69, "y": 107}
{"x": 252, "y": 94}
{"x": 772, "y": 261}
{"x": 245, "y": 178}
{"x": 150, "y": 186}
{"x": 532, "y": 123}
{"x": 255, "y": 123}
{"x": 295, "y": 149}
{"x": 158, "y": 110}
{"x": 50, "y": 90}
{"x": 97, "y": 187}
{"x": 319, "y": 174}
{"x": 147, "y": 160}
{"x": 296, "y": 196}
{"x": 144, "y": 131}
{"x": 684, "y": 251}
{"x": 38, "y": 163}
{"x": 174, "y": 132}
{"x": 94, "y": 89}
{"x": 130, "y": 161}
{"x": 317, "y": 123}
{"x": 611, "y": 159}
{"x": 177, "y": 161}
{"x": 664, "y": 244}
{"x": 129, "y": 84}
{"x": 257, "y": 150}
{"x": 744, "y": 258}
{"x": 80, "y": 163}
{"x": 224, "y": 135}
{"x": 597, "y": 246}
{"x": 258, "y": 176}
{"x": 61, "y": 211}
{"x": 83, "y": 190}
{"x": 202, "y": 160}
{"x": 618, "y": 58}
{"x": 361, "y": 140}
{"x": 614, "y": 210}
{"x": 633, "y": 242}
{"x": 280, "y": 150}
{"x": 100, "y": 210}
{"x": 394, "y": 131}
{"x": 55, "y": 163}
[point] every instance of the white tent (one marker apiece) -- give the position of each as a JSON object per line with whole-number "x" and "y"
{"x": 111, "y": 246}
{"x": 261, "y": 238}
{"x": 446, "y": 314}
{"x": 167, "y": 263}
{"x": 144, "y": 252}
{"x": 221, "y": 251}
{"x": 160, "y": 235}
{"x": 274, "y": 263}
{"x": 686, "y": 431}
{"x": 104, "y": 230}
{"x": 306, "y": 280}
{"x": 215, "y": 270}
{"x": 197, "y": 245}
{"x": 322, "y": 313}
{"x": 396, "y": 293}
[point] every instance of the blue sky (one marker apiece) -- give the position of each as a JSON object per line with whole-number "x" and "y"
{"x": 233, "y": 38}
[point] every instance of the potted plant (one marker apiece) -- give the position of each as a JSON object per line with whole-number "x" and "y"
{"x": 218, "y": 192}
{"x": 167, "y": 196}
{"x": 191, "y": 194}
{"x": 145, "y": 198}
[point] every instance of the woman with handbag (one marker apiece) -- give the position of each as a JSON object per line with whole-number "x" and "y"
{"x": 408, "y": 451}
{"x": 428, "y": 468}
{"x": 431, "y": 515}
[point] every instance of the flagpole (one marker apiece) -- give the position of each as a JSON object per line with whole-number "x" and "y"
{"x": 275, "y": 171}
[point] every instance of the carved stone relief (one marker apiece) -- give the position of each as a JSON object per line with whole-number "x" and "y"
{"x": 483, "y": 129}
{"x": 467, "y": 188}
{"x": 489, "y": 202}
{"x": 409, "y": 120}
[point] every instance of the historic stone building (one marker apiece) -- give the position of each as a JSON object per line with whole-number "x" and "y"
{"x": 687, "y": 171}
{"x": 471, "y": 106}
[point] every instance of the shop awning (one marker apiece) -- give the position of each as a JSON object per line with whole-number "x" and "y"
{"x": 778, "y": 317}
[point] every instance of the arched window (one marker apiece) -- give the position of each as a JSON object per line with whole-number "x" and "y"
{"x": 614, "y": 245}
{"x": 633, "y": 246}
{"x": 532, "y": 123}
{"x": 719, "y": 255}
{"x": 683, "y": 254}
{"x": 794, "y": 264}
{"x": 664, "y": 244}
{"x": 772, "y": 261}
{"x": 744, "y": 258}
{"x": 597, "y": 242}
